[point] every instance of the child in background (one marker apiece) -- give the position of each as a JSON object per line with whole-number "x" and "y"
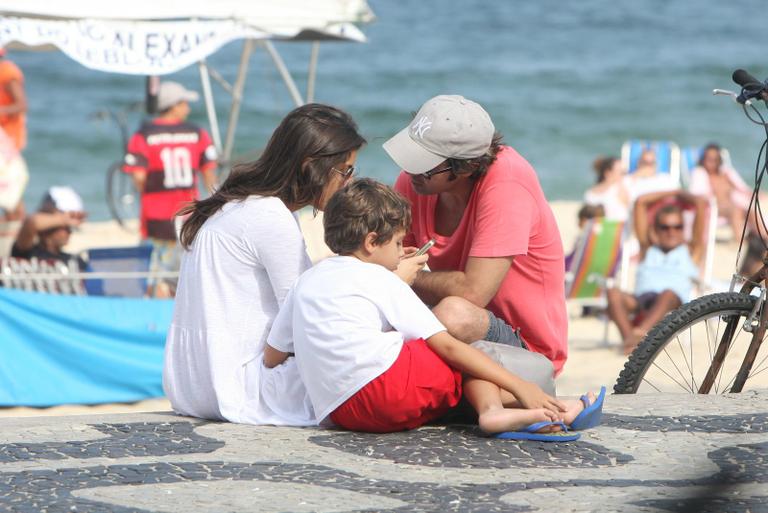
{"x": 374, "y": 358}
{"x": 586, "y": 213}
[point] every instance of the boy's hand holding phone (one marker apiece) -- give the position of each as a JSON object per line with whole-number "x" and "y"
{"x": 413, "y": 261}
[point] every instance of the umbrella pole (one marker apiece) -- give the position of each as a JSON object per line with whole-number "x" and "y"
{"x": 237, "y": 98}
{"x": 210, "y": 106}
{"x": 312, "y": 75}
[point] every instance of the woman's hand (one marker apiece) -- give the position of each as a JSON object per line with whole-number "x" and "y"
{"x": 410, "y": 265}
{"x": 532, "y": 396}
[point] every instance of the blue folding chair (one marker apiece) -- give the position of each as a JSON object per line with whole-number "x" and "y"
{"x": 128, "y": 259}
{"x": 667, "y": 156}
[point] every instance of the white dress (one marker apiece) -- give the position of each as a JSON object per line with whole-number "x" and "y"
{"x": 233, "y": 279}
{"x": 610, "y": 199}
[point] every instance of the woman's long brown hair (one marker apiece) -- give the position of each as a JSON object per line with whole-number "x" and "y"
{"x": 295, "y": 165}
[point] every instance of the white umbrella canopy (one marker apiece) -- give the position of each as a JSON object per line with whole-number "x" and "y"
{"x": 150, "y": 37}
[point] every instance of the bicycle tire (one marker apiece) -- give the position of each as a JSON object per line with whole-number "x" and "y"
{"x": 122, "y": 198}
{"x": 687, "y": 322}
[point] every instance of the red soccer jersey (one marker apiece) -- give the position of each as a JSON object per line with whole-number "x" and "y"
{"x": 171, "y": 153}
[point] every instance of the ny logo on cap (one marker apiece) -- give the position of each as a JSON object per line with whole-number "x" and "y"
{"x": 421, "y": 126}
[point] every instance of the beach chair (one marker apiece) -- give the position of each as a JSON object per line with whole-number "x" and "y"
{"x": 127, "y": 259}
{"x": 594, "y": 265}
{"x": 667, "y": 156}
{"x": 689, "y": 159}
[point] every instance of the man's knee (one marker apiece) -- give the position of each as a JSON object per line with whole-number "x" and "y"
{"x": 670, "y": 298}
{"x": 614, "y": 295}
{"x": 462, "y": 319}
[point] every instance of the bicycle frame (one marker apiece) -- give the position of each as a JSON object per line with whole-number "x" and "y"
{"x": 758, "y": 280}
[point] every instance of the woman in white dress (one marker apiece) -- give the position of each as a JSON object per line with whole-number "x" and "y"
{"x": 610, "y": 190}
{"x": 243, "y": 251}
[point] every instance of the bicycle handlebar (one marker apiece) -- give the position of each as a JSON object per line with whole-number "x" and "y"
{"x": 750, "y": 87}
{"x": 743, "y": 78}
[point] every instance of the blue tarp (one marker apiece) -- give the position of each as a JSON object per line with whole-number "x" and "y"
{"x": 57, "y": 349}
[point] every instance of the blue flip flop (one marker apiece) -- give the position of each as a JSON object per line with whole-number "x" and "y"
{"x": 530, "y": 433}
{"x": 592, "y": 413}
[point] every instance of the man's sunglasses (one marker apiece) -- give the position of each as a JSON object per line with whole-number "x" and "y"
{"x": 668, "y": 227}
{"x": 432, "y": 172}
{"x": 350, "y": 171}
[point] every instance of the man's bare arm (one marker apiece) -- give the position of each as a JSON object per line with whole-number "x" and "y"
{"x": 478, "y": 283}
{"x": 209, "y": 180}
{"x": 139, "y": 180}
{"x": 19, "y": 104}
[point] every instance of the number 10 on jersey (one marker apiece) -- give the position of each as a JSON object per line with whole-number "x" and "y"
{"x": 177, "y": 167}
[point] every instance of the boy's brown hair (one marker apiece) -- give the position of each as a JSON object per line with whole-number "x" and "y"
{"x": 362, "y": 207}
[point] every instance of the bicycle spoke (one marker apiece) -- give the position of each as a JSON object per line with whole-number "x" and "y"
{"x": 694, "y": 386}
{"x": 754, "y": 373}
{"x": 709, "y": 340}
{"x": 671, "y": 377}
{"x": 646, "y": 380}
{"x": 758, "y": 371}
{"x": 682, "y": 351}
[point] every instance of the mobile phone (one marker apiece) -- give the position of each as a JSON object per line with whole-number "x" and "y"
{"x": 425, "y": 247}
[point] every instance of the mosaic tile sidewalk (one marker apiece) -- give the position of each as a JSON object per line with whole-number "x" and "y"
{"x": 652, "y": 453}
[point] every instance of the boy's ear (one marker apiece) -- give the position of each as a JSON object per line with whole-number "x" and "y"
{"x": 369, "y": 244}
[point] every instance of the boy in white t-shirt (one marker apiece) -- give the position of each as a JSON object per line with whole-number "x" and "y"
{"x": 373, "y": 357}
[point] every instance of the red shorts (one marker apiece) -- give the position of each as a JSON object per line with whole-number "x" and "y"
{"x": 417, "y": 388}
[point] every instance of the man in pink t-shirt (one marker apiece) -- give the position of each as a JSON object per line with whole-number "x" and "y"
{"x": 497, "y": 266}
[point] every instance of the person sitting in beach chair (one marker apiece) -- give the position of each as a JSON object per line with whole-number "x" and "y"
{"x": 711, "y": 178}
{"x": 44, "y": 234}
{"x": 651, "y": 167}
{"x": 374, "y": 358}
{"x": 610, "y": 191}
{"x": 668, "y": 269}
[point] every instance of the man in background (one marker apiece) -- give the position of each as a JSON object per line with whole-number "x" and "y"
{"x": 44, "y": 234}
{"x": 668, "y": 268}
{"x": 164, "y": 157}
{"x": 13, "y": 108}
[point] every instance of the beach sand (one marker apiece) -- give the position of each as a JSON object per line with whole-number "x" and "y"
{"x": 591, "y": 363}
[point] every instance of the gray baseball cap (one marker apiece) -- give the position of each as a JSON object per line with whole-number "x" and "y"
{"x": 171, "y": 93}
{"x": 446, "y": 126}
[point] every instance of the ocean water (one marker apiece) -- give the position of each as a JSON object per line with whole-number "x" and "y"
{"x": 563, "y": 81}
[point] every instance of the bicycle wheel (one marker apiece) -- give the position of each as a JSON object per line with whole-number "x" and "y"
{"x": 122, "y": 198}
{"x": 676, "y": 354}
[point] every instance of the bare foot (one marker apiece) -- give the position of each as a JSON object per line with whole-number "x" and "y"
{"x": 575, "y": 406}
{"x": 512, "y": 419}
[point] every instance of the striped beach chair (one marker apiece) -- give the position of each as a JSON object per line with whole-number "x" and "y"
{"x": 594, "y": 265}
{"x": 594, "y": 262}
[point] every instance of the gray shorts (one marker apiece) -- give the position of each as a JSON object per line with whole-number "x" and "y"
{"x": 502, "y": 333}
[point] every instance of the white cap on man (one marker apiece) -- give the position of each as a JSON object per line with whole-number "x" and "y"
{"x": 446, "y": 127}
{"x": 172, "y": 93}
{"x": 62, "y": 198}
